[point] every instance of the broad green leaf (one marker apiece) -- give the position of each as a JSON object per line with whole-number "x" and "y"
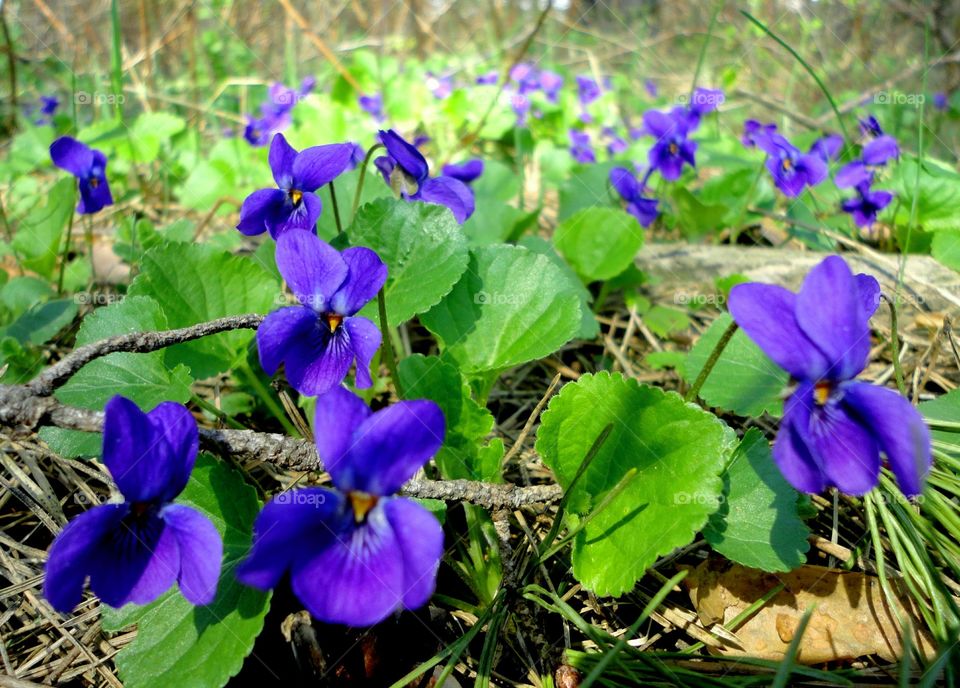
{"x": 587, "y": 186}
{"x": 511, "y": 306}
{"x": 936, "y": 197}
{"x": 589, "y": 327}
{"x": 944, "y": 408}
{"x": 38, "y": 236}
{"x": 143, "y": 378}
{"x": 694, "y": 217}
{"x": 492, "y": 223}
{"x": 946, "y": 249}
{"x": 499, "y": 182}
{"x": 20, "y": 293}
{"x": 599, "y": 243}
{"x": 757, "y": 524}
{"x": 465, "y": 452}
{"x": 744, "y": 380}
{"x": 423, "y": 247}
{"x": 678, "y": 451}
{"x": 199, "y": 647}
{"x": 71, "y": 444}
{"x": 194, "y": 283}
{"x": 41, "y": 321}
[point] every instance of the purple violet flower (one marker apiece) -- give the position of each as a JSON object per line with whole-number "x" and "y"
{"x": 867, "y": 203}
{"x": 791, "y": 170}
{"x": 650, "y": 86}
{"x": 441, "y": 86}
{"x": 834, "y": 428}
{"x": 879, "y": 147}
{"x": 630, "y": 190}
{"x": 940, "y": 101}
{"x": 672, "y": 149}
{"x": 703, "y": 101}
{"x": 828, "y": 147}
{"x": 133, "y": 551}
{"x": 550, "y": 84}
{"x": 318, "y": 340}
{"x": 48, "y": 107}
{"x": 467, "y": 171}
{"x": 294, "y": 205}
{"x": 753, "y": 129}
{"x": 355, "y": 553}
{"x": 616, "y": 144}
{"x": 581, "y": 148}
{"x": 521, "y": 107}
{"x": 406, "y": 172}
{"x": 489, "y": 78}
{"x": 372, "y": 105}
{"x": 89, "y": 166}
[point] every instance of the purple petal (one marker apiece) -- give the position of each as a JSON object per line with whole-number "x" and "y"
{"x": 150, "y": 456}
{"x": 421, "y": 543}
{"x": 625, "y": 183}
{"x": 813, "y": 168}
{"x": 829, "y": 311}
{"x": 291, "y": 526}
{"x": 406, "y": 155}
{"x": 303, "y": 215}
{"x": 261, "y": 210}
{"x": 853, "y": 174}
{"x": 898, "y": 428}
{"x": 338, "y": 413}
{"x": 281, "y": 158}
{"x": 869, "y": 290}
{"x": 658, "y": 124}
{"x": 201, "y": 550}
{"x": 450, "y": 192}
{"x": 790, "y": 451}
{"x": 391, "y": 445}
{"x": 136, "y": 563}
{"x": 68, "y": 563}
{"x": 319, "y": 165}
{"x": 766, "y": 313}
{"x": 94, "y": 195}
{"x": 366, "y": 274}
{"x": 358, "y": 579}
{"x": 827, "y": 147}
{"x": 880, "y": 150}
{"x": 69, "y": 154}
{"x": 312, "y": 268}
{"x": 466, "y": 171}
{"x": 364, "y": 341}
{"x": 319, "y": 362}
{"x": 847, "y": 451}
{"x": 279, "y": 331}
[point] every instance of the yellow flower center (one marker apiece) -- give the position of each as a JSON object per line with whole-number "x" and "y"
{"x": 361, "y": 503}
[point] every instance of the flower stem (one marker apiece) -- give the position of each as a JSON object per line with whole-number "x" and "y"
{"x": 388, "y": 356}
{"x": 363, "y": 175}
{"x": 895, "y": 345}
{"x": 336, "y": 209}
{"x": 273, "y": 406}
{"x": 66, "y": 252}
{"x": 736, "y": 227}
{"x": 712, "y": 361}
{"x": 88, "y": 235}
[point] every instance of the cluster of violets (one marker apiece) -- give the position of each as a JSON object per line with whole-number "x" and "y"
{"x": 833, "y": 427}
{"x": 672, "y": 150}
{"x": 355, "y": 553}
{"x": 878, "y": 149}
{"x": 275, "y": 112}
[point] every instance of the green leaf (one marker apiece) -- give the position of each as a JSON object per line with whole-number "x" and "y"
{"x": 143, "y": 378}
{"x": 946, "y": 249}
{"x": 38, "y": 237}
{"x": 511, "y": 306}
{"x": 945, "y": 408}
{"x": 744, "y": 380}
{"x": 199, "y": 647}
{"x": 194, "y": 283}
{"x": 589, "y": 327}
{"x": 586, "y": 186}
{"x": 757, "y": 524}
{"x": 41, "y": 321}
{"x": 72, "y": 444}
{"x": 694, "y": 217}
{"x": 423, "y": 247}
{"x": 465, "y": 453}
{"x": 499, "y": 182}
{"x": 492, "y": 223}
{"x": 599, "y": 243}
{"x": 21, "y": 293}
{"x": 678, "y": 451}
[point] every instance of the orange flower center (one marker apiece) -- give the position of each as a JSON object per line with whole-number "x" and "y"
{"x": 821, "y": 393}
{"x": 361, "y": 503}
{"x": 333, "y": 321}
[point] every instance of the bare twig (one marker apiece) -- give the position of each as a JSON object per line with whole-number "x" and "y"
{"x": 22, "y": 409}
{"x": 141, "y": 342}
